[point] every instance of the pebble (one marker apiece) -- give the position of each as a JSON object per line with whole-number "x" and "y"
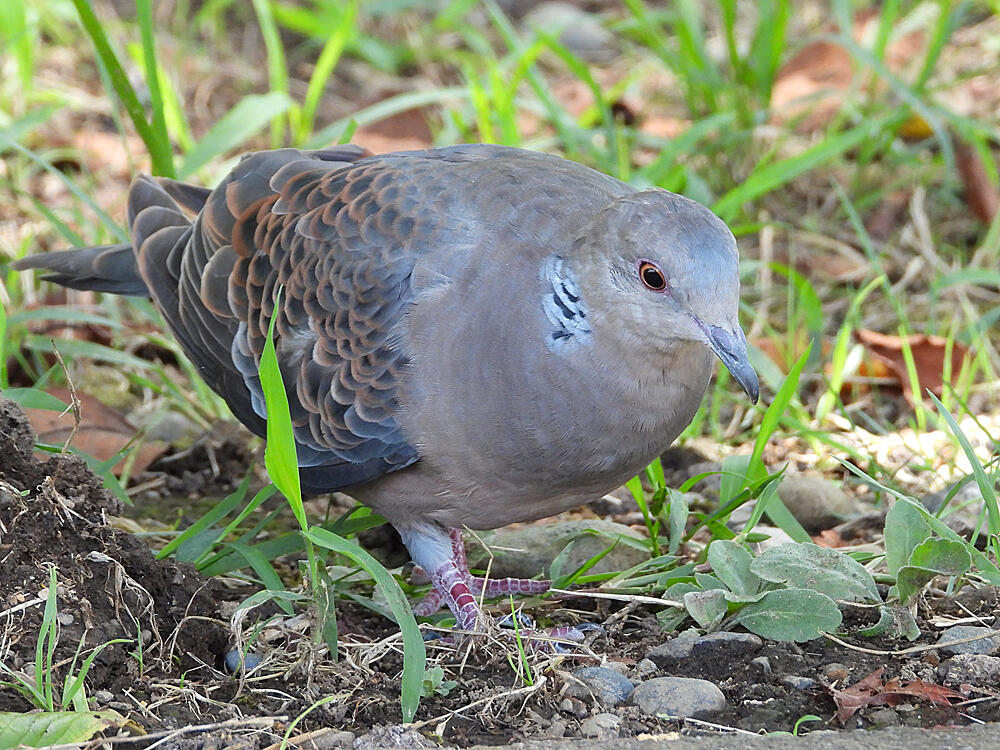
{"x": 816, "y": 503}
{"x": 578, "y": 30}
{"x": 609, "y": 687}
{"x": 600, "y": 726}
{"x": 988, "y": 646}
{"x": 678, "y": 696}
{"x": 798, "y": 682}
{"x": 762, "y": 664}
{"x": 644, "y": 669}
{"x": 836, "y": 672}
{"x": 332, "y": 738}
{"x": 721, "y": 646}
{"x": 884, "y": 717}
{"x": 396, "y": 736}
{"x": 974, "y": 669}
{"x": 103, "y": 696}
{"x": 250, "y": 661}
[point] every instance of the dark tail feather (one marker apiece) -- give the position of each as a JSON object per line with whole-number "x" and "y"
{"x": 109, "y": 268}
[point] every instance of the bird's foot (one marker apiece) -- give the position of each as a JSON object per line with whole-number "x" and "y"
{"x": 562, "y": 639}
{"x": 488, "y": 587}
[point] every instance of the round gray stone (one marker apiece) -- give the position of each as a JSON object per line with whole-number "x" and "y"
{"x": 989, "y": 645}
{"x": 678, "y": 696}
{"x": 974, "y": 669}
{"x": 816, "y": 503}
{"x": 609, "y": 687}
{"x": 600, "y": 726}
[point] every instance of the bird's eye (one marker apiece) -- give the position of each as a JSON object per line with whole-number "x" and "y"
{"x": 652, "y": 276}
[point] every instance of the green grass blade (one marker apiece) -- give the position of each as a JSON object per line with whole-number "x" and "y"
{"x": 414, "y": 653}
{"x": 764, "y": 179}
{"x": 159, "y": 149}
{"x": 249, "y": 115}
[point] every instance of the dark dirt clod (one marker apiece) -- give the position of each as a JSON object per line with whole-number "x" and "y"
{"x": 53, "y": 513}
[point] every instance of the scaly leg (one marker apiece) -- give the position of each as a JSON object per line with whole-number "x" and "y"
{"x": 440, "y": 553}
{"x": 489, "y": 587}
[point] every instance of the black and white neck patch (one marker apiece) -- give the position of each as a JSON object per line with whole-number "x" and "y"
{"x": 564, "y": 307}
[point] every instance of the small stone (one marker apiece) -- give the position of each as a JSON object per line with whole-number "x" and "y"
{"x": 678, "y": 696}
{"x": 988, "y": 645}
{"x": 619, "y": 666}
{"x": 816, "y": 503}
{"x": 644, "y": 669}
{"x": 884, "y": 717}
{"x": 391, "y": 737}
{"x": 609, "y": 687}
{"x": 600, "y": 726}
{"x": 710, "y": 485}
{"x": 103, "y": 697}
{"x": 972, "y": 669}
{"x": 234, "y": 663}
{"x": 762, "y": 664}
{"x": 836, "y": 672}
{"x": 66, "y": 619}
{"x": 566, "y": 705}
{"x": 672, "y": 652}
{"x": 578, "y": 30}
{"x": 331, "y": 738}
{"x": 798, "y": 682}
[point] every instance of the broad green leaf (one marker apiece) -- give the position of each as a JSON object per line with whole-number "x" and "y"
{"x": 809, "y": 566}
{"x": 790, "y": 615}
{"x": 905, "y": 528}
{"x": 893, "y": 621}
{"x": 942, "y": 556}
{"x": 910, "y": 579}
{"x": 54, "y": 728}
{"x": 34, "y": 398}
{"x": 707, "y": 608}
{"x": 730, "y": 562}
{"x": 677, "y": 515}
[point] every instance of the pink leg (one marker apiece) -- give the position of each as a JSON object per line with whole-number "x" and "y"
{"x": 490, "y": 587}
{"x": 441, "y": 553}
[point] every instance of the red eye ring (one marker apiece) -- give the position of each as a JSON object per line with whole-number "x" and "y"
{"x": 651, "y": 276}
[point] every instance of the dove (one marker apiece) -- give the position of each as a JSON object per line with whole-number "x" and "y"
{"x": 468, "y": 336}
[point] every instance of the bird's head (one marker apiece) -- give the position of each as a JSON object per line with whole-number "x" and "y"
{"x": 664, "y": 268}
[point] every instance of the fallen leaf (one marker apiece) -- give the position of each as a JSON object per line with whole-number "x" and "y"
{"x": 403, "y": 131}
{"x": 102, "y": 432}
{"x": 883, "y": 222}
{"x": 813, "y": 83}
{"x": 980, "y": 193}
{"x": 870, "y": 691}
{"x": 929, "y": 354}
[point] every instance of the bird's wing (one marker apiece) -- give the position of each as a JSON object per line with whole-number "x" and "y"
{"x": 331, "y": 236}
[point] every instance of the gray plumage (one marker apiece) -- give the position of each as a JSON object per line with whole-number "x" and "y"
{"x": 466, "y": 334}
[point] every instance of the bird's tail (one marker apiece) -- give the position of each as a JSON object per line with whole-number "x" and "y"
{"x": 154, "y": 204}
{"x": 108, "y": 268}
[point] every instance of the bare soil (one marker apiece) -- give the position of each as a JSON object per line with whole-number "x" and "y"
{"x": 170, "y": 674}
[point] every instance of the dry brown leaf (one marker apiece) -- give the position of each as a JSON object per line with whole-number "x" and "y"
{"x": 980, "y": 194}
{"x": 812, "y": 84}
{"x": 929, "y": 354}
{"x": 883, "y": 222}
{"x": 403, "y": 131}
{"x": 102, "y": 432}
{"x": 869, "y": 691}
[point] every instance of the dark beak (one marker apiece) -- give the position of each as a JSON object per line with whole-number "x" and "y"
{"x": 731, "y": 348}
